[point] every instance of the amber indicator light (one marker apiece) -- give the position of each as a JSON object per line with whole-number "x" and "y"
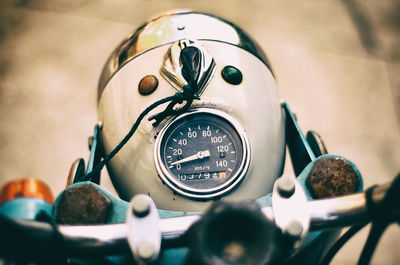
{"x": 26, "y": 188}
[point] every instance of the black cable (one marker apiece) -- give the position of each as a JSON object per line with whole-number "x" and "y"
{"x": 28, "y": 241}
{"x": 340, "y": 242}
{"x": 191, "y": 66}
{"x": 381, "y": 218}
{"x": 59, "y": 254}
{"x": 178, "y": 97}
{"x": 351, "y": 232}
{"x": 42, "y": 241}
{"x": 369, "y": 201}
{"x": 374, "y": 235}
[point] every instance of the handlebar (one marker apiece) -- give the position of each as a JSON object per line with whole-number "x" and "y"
{"x": 112, "y": 238}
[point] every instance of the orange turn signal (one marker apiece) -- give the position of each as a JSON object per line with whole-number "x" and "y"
{"x": 26, "y": 188}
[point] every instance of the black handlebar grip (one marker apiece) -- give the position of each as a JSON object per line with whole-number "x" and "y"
{"x": 235, "y": 233}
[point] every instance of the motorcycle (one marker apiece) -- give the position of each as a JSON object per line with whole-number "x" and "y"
{"x": 194, "y": 139}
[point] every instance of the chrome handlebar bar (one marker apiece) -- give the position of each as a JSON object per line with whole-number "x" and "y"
{"x": 324, "y": 213}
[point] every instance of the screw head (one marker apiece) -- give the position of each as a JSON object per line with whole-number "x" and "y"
{"x": 73, "y": 205}
{"x": 285, "y": 187}
{"x": 141, "y": 205}
{"x": 294, "y": 229}
{"x": 145, "y": 250}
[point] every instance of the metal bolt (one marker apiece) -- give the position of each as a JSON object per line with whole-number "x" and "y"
{"x": 285, "y": 187}
{"x": 141, "y": 205}
{"x": 73, "y": 205}
{"x": 145, "y": 250}
{"x": 332, "y": 177}
{"x": 294, "y": 229}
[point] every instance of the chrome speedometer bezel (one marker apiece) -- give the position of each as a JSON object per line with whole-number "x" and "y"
{"x": 211, "y": 193}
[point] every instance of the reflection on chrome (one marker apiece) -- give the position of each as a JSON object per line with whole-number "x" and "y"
{"x": 171, "y": 27}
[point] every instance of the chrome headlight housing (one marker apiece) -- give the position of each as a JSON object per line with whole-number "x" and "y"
{"x": 239, "y": 91}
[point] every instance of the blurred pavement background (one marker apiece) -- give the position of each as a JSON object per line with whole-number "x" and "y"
{"x": 337, "y": 64}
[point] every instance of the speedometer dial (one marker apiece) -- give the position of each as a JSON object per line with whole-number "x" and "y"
{"x": 202, "y": 154}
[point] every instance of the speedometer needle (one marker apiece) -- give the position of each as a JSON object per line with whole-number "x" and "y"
{"x": 199, "y": 155}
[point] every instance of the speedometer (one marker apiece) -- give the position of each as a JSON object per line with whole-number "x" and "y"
{"x": 202, "y": 154}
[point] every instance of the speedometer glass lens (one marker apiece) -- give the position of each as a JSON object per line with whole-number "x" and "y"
{"x": 202, "y": 154}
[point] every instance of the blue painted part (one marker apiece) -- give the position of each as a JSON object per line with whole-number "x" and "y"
{"x": 300, "y": 151}
{"x": 176, "y": 256}
{"x": 266, "y": 200}
{"x": 25, "y": 208}
{"x": 316, "y": 236}
{"x": 95, "y": 154}
{"x": 118, "y": 209}
{"x": 297, "y": 127}
{"x": 167, "y": 214}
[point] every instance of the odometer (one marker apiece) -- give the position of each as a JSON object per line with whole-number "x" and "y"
{"x": 202, "y": 154}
